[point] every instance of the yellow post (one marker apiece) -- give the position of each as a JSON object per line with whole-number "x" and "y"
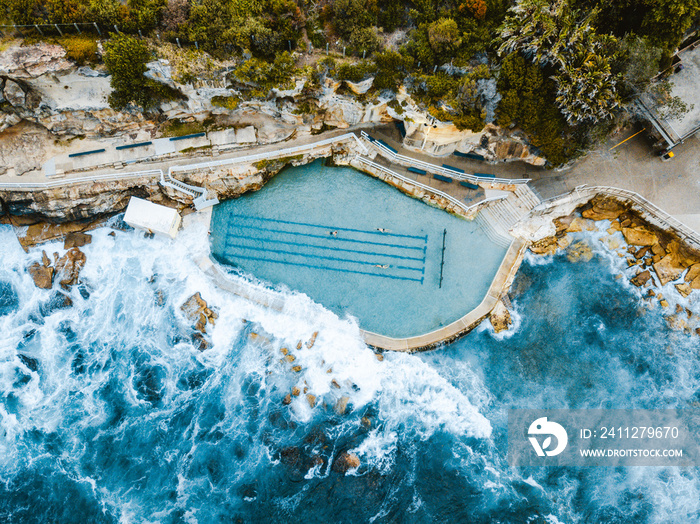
{"x": 626, "y": 139}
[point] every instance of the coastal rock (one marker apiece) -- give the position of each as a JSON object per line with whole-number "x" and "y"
{"x": 580, "y": 251}
{"x": 578, "y": 224}
{"x": 668, "y": 269}
{"x": 610, "y": 242}
{"x": 684, "y": 289}
{"x": 42, "y": 275}
{"x": 197, "y": 310}
{"x": 681, "y": 254}
{"x": 639, "y": 236}
{"x": 76, "y": 239}
{"x": 546, "y": 246}
{"x": 68, "y": 267}
{"x": 342, "y": 405}
{"x": 345, "y": 462}
{"x": 693, "y": 273}
{"x": 312, "y": 340}
{"x": 500, "y": 317}
{"x": 311, "y": 399}
{"x": 33, "y": 61}
{"x": 641, "y": 278}
{"x": 604, "y": 208}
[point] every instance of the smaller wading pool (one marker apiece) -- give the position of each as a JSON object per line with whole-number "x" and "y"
{"x": 359, "y": 247}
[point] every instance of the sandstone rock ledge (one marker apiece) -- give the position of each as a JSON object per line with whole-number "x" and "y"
{"x": 655, "y": 256}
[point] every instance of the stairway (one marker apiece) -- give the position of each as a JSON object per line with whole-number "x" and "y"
{"x": 499, "y": 217}
{"x": 198, "y": 194}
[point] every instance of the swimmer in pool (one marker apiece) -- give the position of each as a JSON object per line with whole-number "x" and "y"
{"x": 334, "y": 233}
{"x": 382, "y": 230}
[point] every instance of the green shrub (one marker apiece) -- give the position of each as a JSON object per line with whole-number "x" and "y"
{"x": 227, "y": 102}
{"x": 81, "y": 48}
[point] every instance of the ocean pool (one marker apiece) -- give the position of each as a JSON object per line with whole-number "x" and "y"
{"x": 358, "y": 247}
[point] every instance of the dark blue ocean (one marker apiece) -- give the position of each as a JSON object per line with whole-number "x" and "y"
{"x": 109, "y": 412}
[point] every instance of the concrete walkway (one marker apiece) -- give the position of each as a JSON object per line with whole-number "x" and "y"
{"x": 674, "y": 186}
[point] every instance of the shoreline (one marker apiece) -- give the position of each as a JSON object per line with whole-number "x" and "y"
{"x": 537, "y": 227}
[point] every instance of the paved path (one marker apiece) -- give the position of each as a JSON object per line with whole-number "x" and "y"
{"x": 674, "y": 186}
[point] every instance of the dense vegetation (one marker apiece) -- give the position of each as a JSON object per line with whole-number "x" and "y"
{"x": 563, "y": 69}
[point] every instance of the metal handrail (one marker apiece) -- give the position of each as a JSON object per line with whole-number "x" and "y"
{"x": 188, "y": 167}
{"x": 450, "y": 198}
{"x": 263, "y": 156}
{"x": 682, "y": 229}
{"x": 439, "y": 169}
{"x": 81, "y": 180}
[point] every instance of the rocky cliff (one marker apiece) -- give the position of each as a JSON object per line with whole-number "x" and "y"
{"x": 47, "y": 101}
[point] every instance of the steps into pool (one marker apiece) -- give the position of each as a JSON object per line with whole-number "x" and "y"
{"x": 498, "y": 218}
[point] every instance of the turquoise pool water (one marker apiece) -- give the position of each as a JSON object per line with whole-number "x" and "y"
{"x": 359, "y": 247}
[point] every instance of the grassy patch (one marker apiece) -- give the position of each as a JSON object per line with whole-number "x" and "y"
{"x": 227, "y": 102}
{"x": 194, "y": 149}
{"x": 81, "y": 48}
{"x": 177, "y": 127}
{"x": 262, "y": 164}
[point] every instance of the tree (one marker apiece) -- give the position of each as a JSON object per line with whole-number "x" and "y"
{"x": 365, "y": 39}
{"x": 392, "y": 68}
{"x": 349, "y": 15}
{"x": 476, "y": 7}
{"x": 556, "y": 35}
{"x": 444, "y": 37}
{"x": 18, "y": 11}
{"x": 639, "y": 63}
{"x": 126, "y": 58}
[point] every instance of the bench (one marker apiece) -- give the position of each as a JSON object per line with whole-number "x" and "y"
{"x": 472, "y": 156}
{"x": 485, "y": 175}
{"x": 185, "y": 137}
{"x": 131, "y": 146}
{"x": 468, "y": 184}
{"x": 83, "y": 153}
{"x": 388, "y": 146}
{"x": 417, "y": 171}
{"x": 453, "y": 168}
{"x": 442, "y": 178}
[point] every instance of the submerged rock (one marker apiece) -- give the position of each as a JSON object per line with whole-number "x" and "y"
{"x": 342, "y": 405}
{"x": 580, "y": 251}
{"x": 57, "y": 302}
{"x": 345, "y": 462}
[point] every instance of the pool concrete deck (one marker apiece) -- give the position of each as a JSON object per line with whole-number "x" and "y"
{"x": 500, "y": 284}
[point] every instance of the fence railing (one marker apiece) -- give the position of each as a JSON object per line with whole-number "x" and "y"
{"x": 80, "y": 180}
{"x": 583, "y": 191}
{"x": 398, "y": 158}
{"x": 449, "y": 198}
{"x": 281, "y": 153}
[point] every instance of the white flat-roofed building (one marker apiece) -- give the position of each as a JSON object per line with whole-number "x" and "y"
{"x": 154, "y": 218}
